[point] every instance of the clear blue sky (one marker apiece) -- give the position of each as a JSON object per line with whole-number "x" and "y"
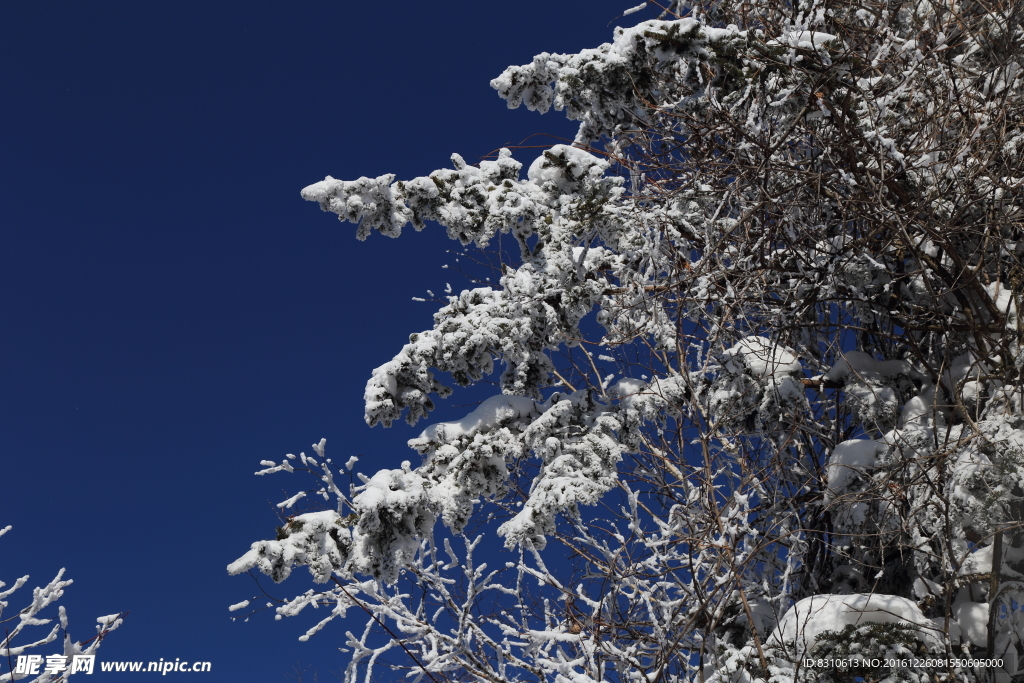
{"x": 173, "y": 312}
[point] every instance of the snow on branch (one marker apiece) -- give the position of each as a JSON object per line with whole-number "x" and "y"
{"x": 766, "y": 405}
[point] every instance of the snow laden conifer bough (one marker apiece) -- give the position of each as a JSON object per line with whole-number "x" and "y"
{"x": 760, "y": 366}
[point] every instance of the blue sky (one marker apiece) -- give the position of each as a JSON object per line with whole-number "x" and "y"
{"x": 173, "y": 312}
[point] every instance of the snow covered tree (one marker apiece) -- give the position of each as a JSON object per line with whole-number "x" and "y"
{"x": 760, "y": 366}
{"x": 54, "y": 666}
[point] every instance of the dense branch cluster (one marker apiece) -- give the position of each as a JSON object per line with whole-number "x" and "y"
{"x": 761, "y": 366}
{"x": 16, "y": 641}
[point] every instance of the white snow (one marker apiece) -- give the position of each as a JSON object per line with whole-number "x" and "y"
{"x": 970, "y": 464}
{"x": 955, "y": 634}
{"x": 634, "y": 10}
{"x": 389, "y": 490}
{"x": 923, "y": 588}
{"x": 972, "y": 618}
{"x": 978, "y": 562}
{"x": 918, "y": 409}
{"x": 762, "y": 357}
{"x": 111, "y": 621}
{"x": 1002, "y": 296}
{"x": 866, "y": 367}
{"x": 764, "y": 615}
{"x": 716, "y": 34}
{"x": 292, "y": 501}
{"x": 850, "y": 458}
{"x": 627, "y": 389}
{"x": 577, "y": 164}
{"x": 804, "y": 39}
{"x": 807, "y": 619}
{"x": 488, "y": 415}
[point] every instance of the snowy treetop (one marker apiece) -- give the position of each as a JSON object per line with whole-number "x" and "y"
{"x": 758, "y": 350}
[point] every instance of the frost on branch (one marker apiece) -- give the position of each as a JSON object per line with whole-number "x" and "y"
{"x": 474, "y": 203}
{"x": 470, "y": 458}
{"x": 565, "y": 199}
{"x": 15, "y": 643}
{"x": 758, "y": 380}
{"x": 757, "y": 340}
{"x": 367, "y": 201}
{"x": 598, "y": 87}
{"x": 875, "y": 390}
{"x": 391, "y": 512}
{"x": 577, "y": 445}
